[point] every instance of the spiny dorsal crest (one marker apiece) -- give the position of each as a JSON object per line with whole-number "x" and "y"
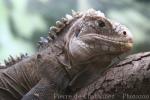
{"x": 92, "y": 12}
{"x": 11, "y": 60}
{"x": 60, "y": 25}
{"x": 2, "y": 66}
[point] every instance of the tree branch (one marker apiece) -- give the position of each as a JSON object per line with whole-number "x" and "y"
{"x": 130, "y": 79}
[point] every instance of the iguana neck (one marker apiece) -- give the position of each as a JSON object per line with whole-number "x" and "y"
{"x": 73, "y": 68}
{"x": 89, "y": 71}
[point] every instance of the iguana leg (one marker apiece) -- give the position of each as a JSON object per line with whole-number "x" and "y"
{"x": 44, "y": 90}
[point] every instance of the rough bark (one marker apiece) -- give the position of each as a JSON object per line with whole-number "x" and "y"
{"x": 129, "y": 79}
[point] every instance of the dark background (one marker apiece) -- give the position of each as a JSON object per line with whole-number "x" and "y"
{"x": 22, "y": 22}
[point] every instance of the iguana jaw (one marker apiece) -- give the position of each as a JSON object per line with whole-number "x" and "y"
{"x": 93, "y": 45}
{"x": 97, "y": 41}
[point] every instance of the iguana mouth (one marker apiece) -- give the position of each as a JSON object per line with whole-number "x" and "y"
{"x": 124, "y": 42}
{"x": 107, "y": 38}
{"x": 95, "y": 41}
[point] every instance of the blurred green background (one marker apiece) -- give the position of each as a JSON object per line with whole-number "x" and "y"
{"x": 22, "y": 22}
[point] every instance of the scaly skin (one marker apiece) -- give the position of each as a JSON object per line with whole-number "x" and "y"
{"x": 83, "y": 46}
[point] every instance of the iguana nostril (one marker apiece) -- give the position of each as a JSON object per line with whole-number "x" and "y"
{"x": 124, "y": 33}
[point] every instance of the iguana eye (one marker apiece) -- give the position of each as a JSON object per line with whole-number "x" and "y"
{"x": 100, "y": 23}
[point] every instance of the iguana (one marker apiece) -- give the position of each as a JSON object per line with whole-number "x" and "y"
{"x": 77, "y": 48}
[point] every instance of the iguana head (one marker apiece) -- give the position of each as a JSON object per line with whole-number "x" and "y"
{"x": 93, "y": 35}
